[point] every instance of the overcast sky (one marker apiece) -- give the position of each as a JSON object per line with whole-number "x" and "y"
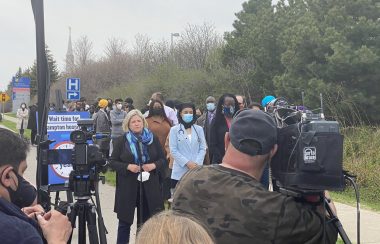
{"x": 100, "y": 20}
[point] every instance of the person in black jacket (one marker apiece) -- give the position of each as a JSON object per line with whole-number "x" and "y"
{"x": 226, "y": 109}
{"x": 137, "y": 152}
{"x": 32, "y": 123}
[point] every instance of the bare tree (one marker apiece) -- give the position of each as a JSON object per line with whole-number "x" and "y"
{"x": 115, "y": 48}
{"x": 196, "y": 43}
{"x": 83, "y": 51}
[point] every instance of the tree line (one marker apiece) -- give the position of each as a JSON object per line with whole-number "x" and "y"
{"x": 311, "y": 46}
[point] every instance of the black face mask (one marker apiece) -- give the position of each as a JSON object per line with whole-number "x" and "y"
{"x": 157, "y": 111}
{"x": 24, "y": 195}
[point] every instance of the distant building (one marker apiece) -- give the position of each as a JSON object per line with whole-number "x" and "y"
{"x": 69, "y": 55}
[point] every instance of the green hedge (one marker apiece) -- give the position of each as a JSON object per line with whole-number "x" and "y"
{"x": 362, "y": 158}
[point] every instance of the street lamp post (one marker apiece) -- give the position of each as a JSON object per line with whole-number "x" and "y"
{"x": 171, "y": 40}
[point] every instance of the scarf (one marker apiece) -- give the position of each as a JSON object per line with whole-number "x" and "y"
{"x": 146, "y": 139}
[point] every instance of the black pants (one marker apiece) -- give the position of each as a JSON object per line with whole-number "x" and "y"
{"x": 124, "y": 228}
{"x": 22, "y": 132}
{"x": 33, "y": 137}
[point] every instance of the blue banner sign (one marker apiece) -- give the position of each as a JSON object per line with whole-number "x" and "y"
{"x": 59, "y": 127}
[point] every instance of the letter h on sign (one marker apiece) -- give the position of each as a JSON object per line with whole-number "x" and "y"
{"x": 73, "y": 84}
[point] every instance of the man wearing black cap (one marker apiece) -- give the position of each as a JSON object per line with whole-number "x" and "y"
{"x": 230, "y": 200}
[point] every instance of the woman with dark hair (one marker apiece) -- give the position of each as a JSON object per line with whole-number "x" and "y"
{"x": 187, "y": 143}
{"x": 160, "y": 125}
{"x": 226, "y": 109}
{"x": 22, "y": 119}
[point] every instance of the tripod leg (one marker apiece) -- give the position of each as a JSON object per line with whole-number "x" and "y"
{"x": 102, "y": 228}
{"x": 82, "y": 224}
{"x": 72, "y": 215}
{"x": 91, "y": 224}
{"x": 337, "y": 224}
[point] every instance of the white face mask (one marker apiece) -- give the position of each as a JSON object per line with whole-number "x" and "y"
{"x": 119, "y": 106}
{"x": 22, "y": 106}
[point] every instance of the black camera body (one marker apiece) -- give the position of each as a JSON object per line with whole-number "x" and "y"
{"x": 310, "y": 152}
{"x": 87, "y": 161}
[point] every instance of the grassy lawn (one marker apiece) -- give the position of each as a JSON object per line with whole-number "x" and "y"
{"x": 110, "y": 177}
{"x": 12, "y": 126}
{"x": 13, "y": 115}
{"x": 348, "y": 197}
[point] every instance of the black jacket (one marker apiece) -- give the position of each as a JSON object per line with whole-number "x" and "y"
{"x": 127, "y": 184}
{"x": 16, "y": 227}
{"x": 216, "y": 144}
{"x": 32, "y": 121}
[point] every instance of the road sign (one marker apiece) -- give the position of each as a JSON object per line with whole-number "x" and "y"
{"x": 4, "y": 97}
{"x": 72, "y": 88}
{"x": 73, "y": 95}
{"x": 73, "y": 84}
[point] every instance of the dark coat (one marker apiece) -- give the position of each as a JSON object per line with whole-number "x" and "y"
{"x": 203, "y": 121}
{"x": 32, "y": 121}
{"x": 127, "y": 184}
{"x": 216, "y": 144}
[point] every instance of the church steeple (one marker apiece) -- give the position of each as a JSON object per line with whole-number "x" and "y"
{"x": 69, "y": 55}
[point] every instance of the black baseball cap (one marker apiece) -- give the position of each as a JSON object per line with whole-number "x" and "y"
{"x": 253, "y": 132}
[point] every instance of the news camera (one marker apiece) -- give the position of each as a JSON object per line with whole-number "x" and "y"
{"x": 88, "y": 161}
{"x": 83, "y": 182}
{"x": 309, "y": 156}
{"x": 310, "y": 149}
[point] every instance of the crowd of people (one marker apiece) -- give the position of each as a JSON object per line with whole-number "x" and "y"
{"x": 211, "y": 167}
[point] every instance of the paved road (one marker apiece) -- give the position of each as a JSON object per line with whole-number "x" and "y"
{"x": 370, "y": 221}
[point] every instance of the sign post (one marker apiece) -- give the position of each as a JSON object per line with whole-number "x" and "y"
{"x": 4, "y": 98}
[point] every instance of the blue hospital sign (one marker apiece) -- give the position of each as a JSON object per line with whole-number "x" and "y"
{"x": 72, "y": 84}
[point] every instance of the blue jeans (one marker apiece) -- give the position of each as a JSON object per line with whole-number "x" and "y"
{"x": 123, "y": 232}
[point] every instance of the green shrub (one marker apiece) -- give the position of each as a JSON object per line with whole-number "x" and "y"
{"x": 362, "y": 158}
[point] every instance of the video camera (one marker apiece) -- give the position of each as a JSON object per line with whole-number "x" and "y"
{"x": 87, "y": 160}
{"x": 310, "y": 149}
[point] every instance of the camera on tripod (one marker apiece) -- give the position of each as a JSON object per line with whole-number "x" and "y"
{"x": 86, "y": 161}
{"x": 310, "y": 149}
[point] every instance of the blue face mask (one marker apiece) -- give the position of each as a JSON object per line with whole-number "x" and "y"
{"x": 187, "y": 118}
{"x": 228, "y": 111}
{"x": 210, "y": 106}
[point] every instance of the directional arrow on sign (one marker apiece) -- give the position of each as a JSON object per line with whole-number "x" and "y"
{"x": 73, "y": 95}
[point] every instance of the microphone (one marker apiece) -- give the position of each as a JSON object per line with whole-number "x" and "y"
{"x": 139, "y": 139}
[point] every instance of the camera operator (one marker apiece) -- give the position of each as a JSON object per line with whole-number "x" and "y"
{"x": 24, "y": 225}
{"x": 230, "y": 200}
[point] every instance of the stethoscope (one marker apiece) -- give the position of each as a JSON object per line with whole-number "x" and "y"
{"x": 182, "y": 132}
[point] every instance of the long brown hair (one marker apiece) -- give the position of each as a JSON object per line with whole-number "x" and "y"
{"x": 171, "y": 227}
{"x": 151, "y": 105}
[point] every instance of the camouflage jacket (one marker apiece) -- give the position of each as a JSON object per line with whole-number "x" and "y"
{"x": 237, "y": 209}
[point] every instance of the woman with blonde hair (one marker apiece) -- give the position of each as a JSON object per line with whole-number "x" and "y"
{"x": 137, "y": 157}
{"x": 171, "y": 227}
